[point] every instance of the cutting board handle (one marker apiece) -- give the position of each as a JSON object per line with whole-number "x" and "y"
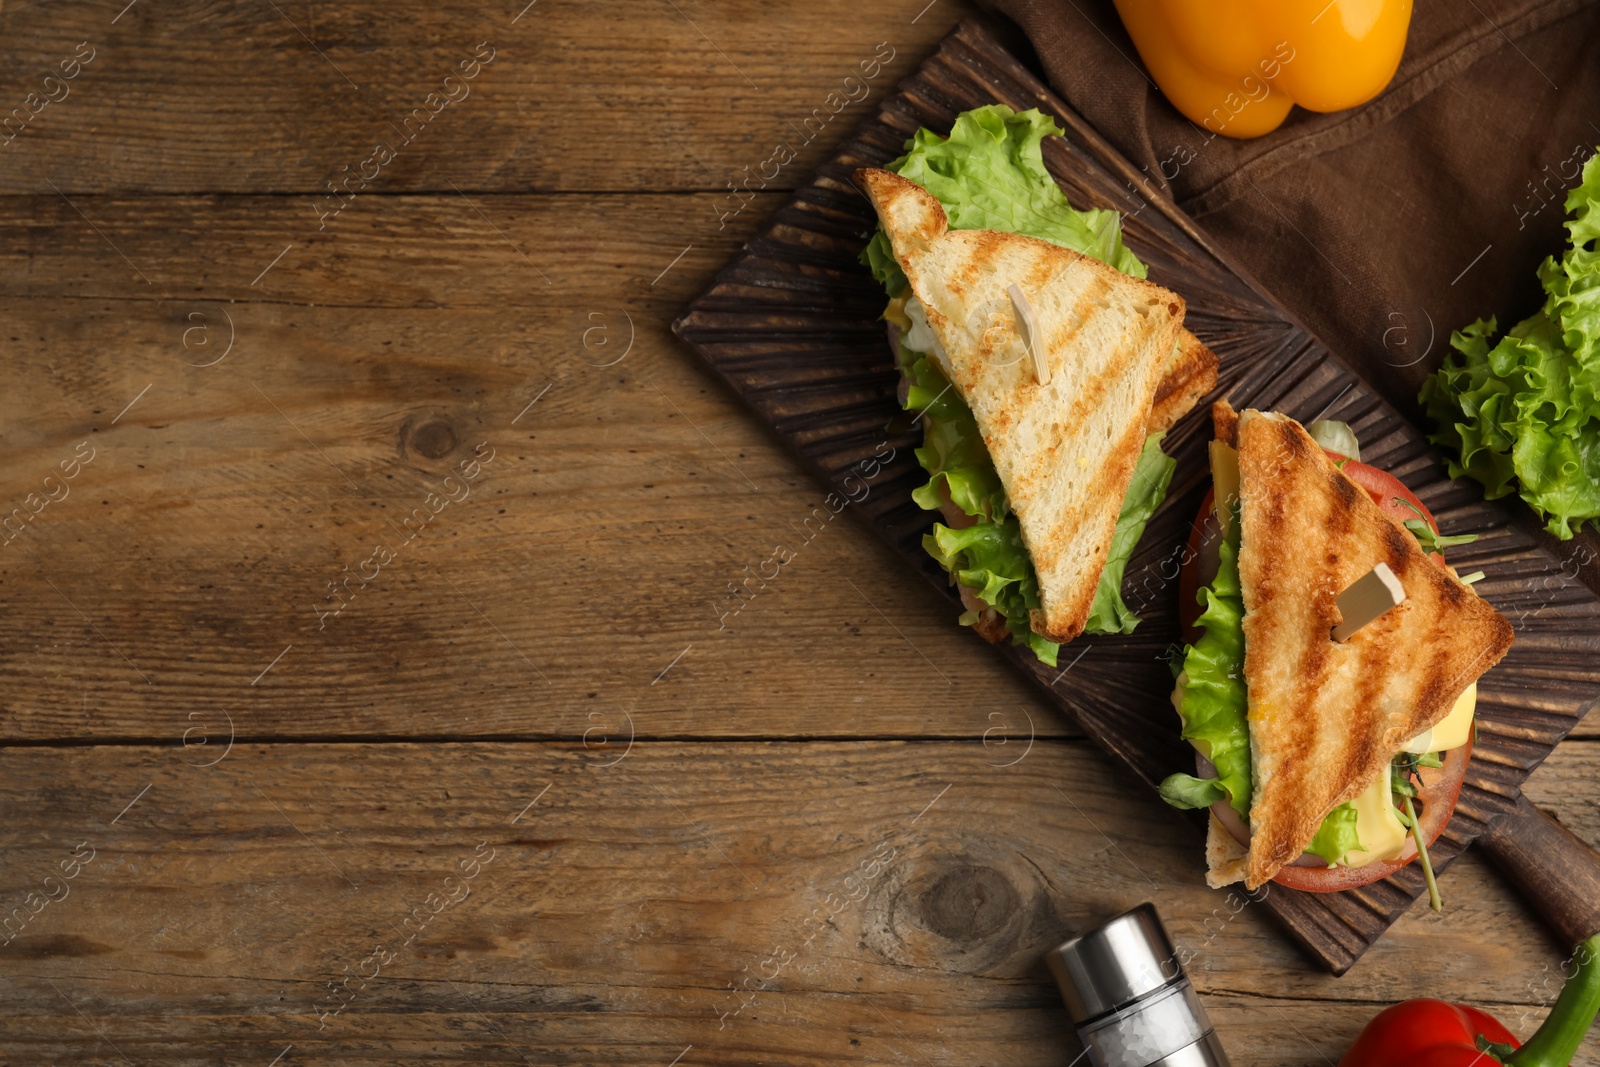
{"x": 1556, "y": 871}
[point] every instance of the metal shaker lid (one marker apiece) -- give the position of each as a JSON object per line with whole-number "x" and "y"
{"x": 1115, "y": 964}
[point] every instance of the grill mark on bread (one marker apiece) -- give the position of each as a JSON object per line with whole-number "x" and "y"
{"x": 1044, "y": 274}
{"x": 1346, "y": 490}
{"x": 1093, "y": 392}
{"x": 1080, "y": 316}
{"x": 1369, "y": 687}
{"x": 1340, "y": 522}
{"x": 984, "y": 252}
{"x": 1290, "y": 442}
{"x": 1193, "y": 363}
{"x": 1394, "y": 550}
{"x": 1435, "y": 691}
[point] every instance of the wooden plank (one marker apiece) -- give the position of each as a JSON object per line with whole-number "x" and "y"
{"x": 687, "y": 95}
{"x": 600, "y": 543}
{"x": 531, "y": 254}
{"x": 620, "y": 896}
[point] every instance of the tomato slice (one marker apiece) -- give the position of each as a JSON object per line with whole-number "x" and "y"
{"x": 1389, "y": 492}
{"x": 1441, "y": 788}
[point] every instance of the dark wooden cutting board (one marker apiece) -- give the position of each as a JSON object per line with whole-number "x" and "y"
{"x": 792, "y": 325}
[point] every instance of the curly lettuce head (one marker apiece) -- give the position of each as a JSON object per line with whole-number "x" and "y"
{"x": 1522, "y": 413}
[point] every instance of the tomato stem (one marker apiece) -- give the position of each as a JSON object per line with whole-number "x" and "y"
{"x": 1435, "y": 901}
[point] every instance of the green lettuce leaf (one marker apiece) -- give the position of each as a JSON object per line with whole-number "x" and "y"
{"x": 952, "y": 452}
{"x": 989, "y": 174}
{"x": 879, "y": 258}
{"x": 1215, "y": 701}
{"x": 1151, "y": 476}
{"x": 1522, "y": 413}
{"x": 1336, "y": 837}
{"x": 1187, "y": 791}
{"x": 989, "y": 559}
{"x": 1214, "y": 707}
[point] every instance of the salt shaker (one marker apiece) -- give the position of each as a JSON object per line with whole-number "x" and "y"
{"x": 1128, "y": 996}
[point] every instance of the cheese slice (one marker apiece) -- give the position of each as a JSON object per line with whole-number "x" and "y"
{"x": 1453, "y": 731}
{"x": 896, "y": 312}
{"x": 1225, "y": 481}
{"x": 1378, "y": 828}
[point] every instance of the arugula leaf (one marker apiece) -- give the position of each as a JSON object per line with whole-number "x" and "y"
{"x": 1403, "y": 780}
{"x": 1434, "y": 900}
{"x": 1523, "y": 413}
{"x": 1424, "y": 533}
{"x": 1432, "y": 542}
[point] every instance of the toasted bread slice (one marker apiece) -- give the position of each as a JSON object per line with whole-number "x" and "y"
{"x": 1191, "y": 375}
{"x": 1225, "y": 423}
{"x": 1326, "y": 717}
{"x": 1227, "y": 861}
{"x": 1066, "y": 449}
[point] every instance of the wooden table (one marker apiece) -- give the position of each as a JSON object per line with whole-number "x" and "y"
{"x": 366, "y": 693}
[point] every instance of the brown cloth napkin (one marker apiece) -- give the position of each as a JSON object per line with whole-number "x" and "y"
{"x": 1387, "y": 226}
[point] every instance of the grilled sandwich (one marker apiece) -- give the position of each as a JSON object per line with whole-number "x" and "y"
{"x": 1063, "y": 404}
{"x": 1326, "y": 718}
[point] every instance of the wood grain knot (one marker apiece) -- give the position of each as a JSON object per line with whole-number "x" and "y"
{"x": 435, "y": 439}
{"x": 969, "y": 904}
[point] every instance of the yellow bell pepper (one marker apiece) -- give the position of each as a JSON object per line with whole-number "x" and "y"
{"x": 1236, "y": 67}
